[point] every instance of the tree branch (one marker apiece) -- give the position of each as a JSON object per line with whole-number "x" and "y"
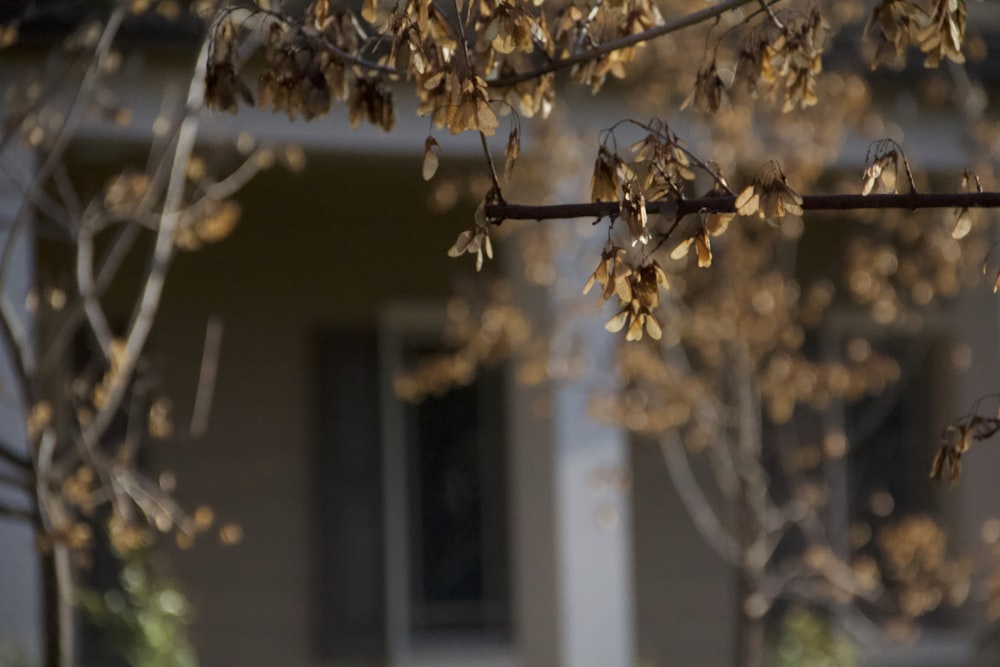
{"x": 837, "y": 202}
{"x": 623, "y": 42}
{"x": 162, "y": 254}
{"x": 698, "y": 506}
{"x": 69, "y": 124}
{"x": 85, "y": 283}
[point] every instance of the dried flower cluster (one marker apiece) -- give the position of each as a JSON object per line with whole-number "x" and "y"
{"x": 330, "y": 54}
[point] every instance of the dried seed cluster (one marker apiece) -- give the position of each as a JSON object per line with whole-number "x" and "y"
{"x": 769, "y": 197}
{"x": 637, "y": 290}
{"x": 331, "y": 53}
{"x": 475, "y": 241}
{"x": 785, "y": 55}
{"x": 939, "y": 31}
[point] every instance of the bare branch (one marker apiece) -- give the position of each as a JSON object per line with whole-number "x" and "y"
{"x": 69, "y": 124}
{"x": 163, "y": 250}
{"x": 838, "y": 202}
{"x": 88, "y": 294}
{"x": 347, "y": 57}
{"x": 493, "y": 170}
{"x": 695, "y": 502}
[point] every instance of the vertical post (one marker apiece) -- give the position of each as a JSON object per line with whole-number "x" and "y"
{"x": 394, "y": 462}
{"x": 592, "y": 505}
{"x": 571, "y": 522}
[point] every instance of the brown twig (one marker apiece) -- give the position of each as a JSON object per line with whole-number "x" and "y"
{"x": 837, "y": 202}
{"x": 493, "y": 170}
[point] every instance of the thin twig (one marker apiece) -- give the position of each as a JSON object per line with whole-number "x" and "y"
{"x": 695, "y": 502}
{"x": 85, "y": 284}
{"x": 113, "y": 257}
{"x": 67, "y": 192}
{"x": 493, "y": 169}
{"x": 39, "y": 199}
{"x": 119, "y": 249}
{"x": 774, "y": 19}
{"x": 14, "y": 339}
{"x": 206, "y": 377}
{"x": 69, "y": 124}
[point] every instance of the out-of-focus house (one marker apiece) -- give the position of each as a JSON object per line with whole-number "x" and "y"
{"x": 469, "y": 530}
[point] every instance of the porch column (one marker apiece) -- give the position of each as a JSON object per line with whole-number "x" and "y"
{"x": 592, "y": 499}
{"x": 570, "y": 501}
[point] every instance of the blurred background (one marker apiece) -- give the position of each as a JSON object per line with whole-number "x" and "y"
{"x": 380, "y": 456}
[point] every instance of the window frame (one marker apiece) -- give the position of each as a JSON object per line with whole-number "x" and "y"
{"x": 401, "y": 326}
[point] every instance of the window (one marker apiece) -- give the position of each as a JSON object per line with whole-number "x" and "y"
{"x": 413, "y": 559}
{"x": 884, "y": 482}
{"x": 455, "y": 486}
{"x": 894, "y": 435}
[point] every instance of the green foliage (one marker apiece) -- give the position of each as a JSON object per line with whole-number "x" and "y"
{"x": 145, "y": 622}
{"x": 806, "y": 638}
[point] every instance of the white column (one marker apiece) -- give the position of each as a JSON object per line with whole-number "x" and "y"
{"x": 572, "y": 565}
{"x": 20, "y": 582}
{"x": 592, "y": 506}
{"x": 594, "y": 555}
